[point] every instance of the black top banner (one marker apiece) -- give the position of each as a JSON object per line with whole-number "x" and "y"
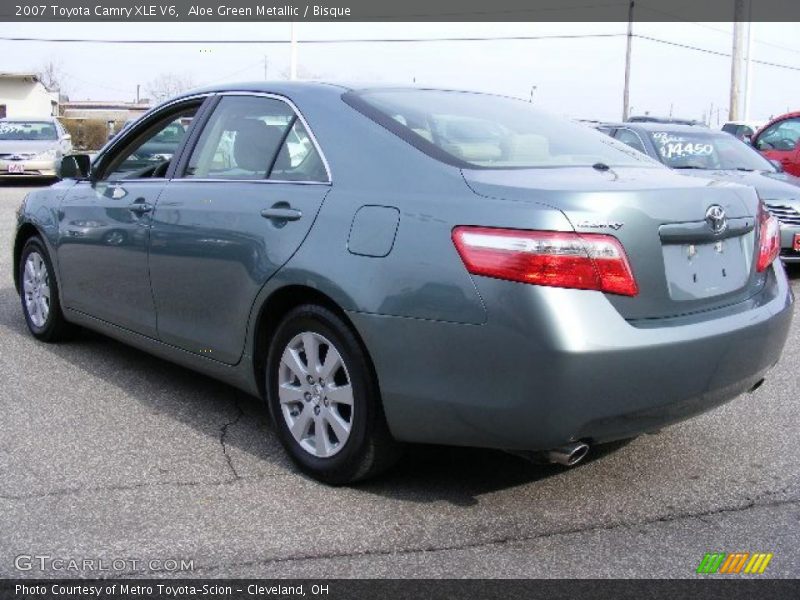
{"x": 398, "y": 10}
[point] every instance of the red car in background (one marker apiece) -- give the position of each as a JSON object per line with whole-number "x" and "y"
{"x": 779, "y": 140}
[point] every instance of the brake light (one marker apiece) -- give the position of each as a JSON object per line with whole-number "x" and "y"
{"x": 584, "y": 261}
{"x": 769, "y": 240}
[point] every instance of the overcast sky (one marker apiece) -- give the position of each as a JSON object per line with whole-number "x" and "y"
{"x": 576, "y": 77}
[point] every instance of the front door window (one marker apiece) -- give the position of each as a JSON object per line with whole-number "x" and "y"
{"x": 150, "y": 153}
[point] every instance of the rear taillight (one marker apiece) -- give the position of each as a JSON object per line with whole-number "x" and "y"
{"x": 553, "y": 258}
{"x": 769, "y": 240}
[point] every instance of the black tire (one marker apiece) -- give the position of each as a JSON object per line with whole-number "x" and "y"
{"x": 54, "y": 328}
{"x": 370, "y": 448}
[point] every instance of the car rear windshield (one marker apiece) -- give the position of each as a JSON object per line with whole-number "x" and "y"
{"x": 705, "y": 150}
{"x": 27, "y": 130}
{"x": 471, "y": 130}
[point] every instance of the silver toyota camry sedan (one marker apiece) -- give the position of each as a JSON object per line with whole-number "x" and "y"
{"x": 386, "y": 266}
{"x": 32, "y": 147}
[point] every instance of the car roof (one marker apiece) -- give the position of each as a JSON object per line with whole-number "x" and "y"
{"x": 678, "y": 128}
{"x": 27, "y": 119}
{"x": 302, "y": 88}
{"x": 789, "y": 115}
{"x": 658, "y": 119}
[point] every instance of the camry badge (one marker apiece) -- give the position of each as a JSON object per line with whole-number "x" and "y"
{"x": 716, "y": 219}
{"x": 615, "y": 225}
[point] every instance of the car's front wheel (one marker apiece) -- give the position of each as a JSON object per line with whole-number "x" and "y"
{"x": 39, "y": 294}
{"x": 323, "y": 398}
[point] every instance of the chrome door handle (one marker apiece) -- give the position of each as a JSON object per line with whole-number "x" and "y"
{"x": 140, "y": 208}
{"x": 281, "y": 213}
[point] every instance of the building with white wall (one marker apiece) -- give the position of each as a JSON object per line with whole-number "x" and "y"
{"x": 24, "y": 95}
{"x": 104, "y": 110}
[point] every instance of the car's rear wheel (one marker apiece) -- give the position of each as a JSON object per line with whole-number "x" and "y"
{"x": 324, "y": 400}
{"x": 38, "y": 292}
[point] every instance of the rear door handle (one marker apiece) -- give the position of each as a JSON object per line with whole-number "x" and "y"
{"x": 140, "y": 208}
{"x": 281, "y": 213}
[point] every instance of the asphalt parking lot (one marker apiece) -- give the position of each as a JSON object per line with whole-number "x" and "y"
{"x": 106, "y": 452}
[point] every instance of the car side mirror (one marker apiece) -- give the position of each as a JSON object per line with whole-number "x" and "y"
{"x": 66, "y": 137}
{"x": 748, "y": 139}
{"x": 76, "y": 166}
{"x": 778, "y": 165}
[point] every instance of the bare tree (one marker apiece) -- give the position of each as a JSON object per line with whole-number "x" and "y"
{"x": 53, "y": 76}
{"x": 167, "y": 85}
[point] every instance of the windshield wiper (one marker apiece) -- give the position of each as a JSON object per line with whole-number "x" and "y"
{"x": 745, "y": 169}
{"x": 690, "y": 167}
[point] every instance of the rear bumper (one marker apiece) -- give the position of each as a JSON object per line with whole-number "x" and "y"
{"x": 554, "y": 365}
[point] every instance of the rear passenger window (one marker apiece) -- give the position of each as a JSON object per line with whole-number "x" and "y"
{"x": 252, "y": 137}
{"x": 471, "y": 130}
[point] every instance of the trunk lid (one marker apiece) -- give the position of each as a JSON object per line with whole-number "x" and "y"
{"x": 662, "y": 219}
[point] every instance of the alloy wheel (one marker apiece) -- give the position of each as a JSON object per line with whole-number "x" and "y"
{"x": 36, "y": 287}
{"x": 316, "y": 394}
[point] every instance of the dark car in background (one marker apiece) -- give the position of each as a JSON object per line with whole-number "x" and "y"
{"x": 162, "y": 147}
{"x": 779, "y": 140}
{"x": 743, "y": 130}
{"x": 425, "y": 266}
{"x": 716, "y": 155}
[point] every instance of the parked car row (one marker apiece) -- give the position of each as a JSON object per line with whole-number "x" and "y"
{"x": 715, "y": 155}
{"x": 387, "y": 265}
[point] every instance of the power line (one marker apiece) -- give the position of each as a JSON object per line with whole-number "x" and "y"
{"x": 399, "y": 41}
{"x": 778, "y": 46}
{"x": 711, "y": 28}
{"x": 321, "y": 41}
{"x": 509, "y": 11}
{"x": 233, "y": 74}
{"x": 713, "y": 52}
{"x": 96, "y": 84}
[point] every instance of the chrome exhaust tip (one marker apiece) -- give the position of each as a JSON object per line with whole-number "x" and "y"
{"x": 568, "y": 455}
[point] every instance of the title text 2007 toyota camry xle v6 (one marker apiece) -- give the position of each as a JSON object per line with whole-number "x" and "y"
{"x": 387, "y": 265}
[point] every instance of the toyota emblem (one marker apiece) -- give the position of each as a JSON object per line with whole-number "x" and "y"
{"x": 716, "y": 219}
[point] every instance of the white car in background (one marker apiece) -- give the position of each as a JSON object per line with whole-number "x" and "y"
{"x": 32, "y": 147}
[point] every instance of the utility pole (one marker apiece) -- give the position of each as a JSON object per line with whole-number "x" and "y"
{"x": 533, "y": 89}
{"x": 736, "y": 59}
{"x": 748, "y": 72}
{"x": 137, "y": 93}
{"x": 266, "y": 64}
{"x": 626, "y": 90}
{"x": 293, "y": 55}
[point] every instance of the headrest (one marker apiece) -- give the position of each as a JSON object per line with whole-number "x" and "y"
{"x": 254, "y": 144}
